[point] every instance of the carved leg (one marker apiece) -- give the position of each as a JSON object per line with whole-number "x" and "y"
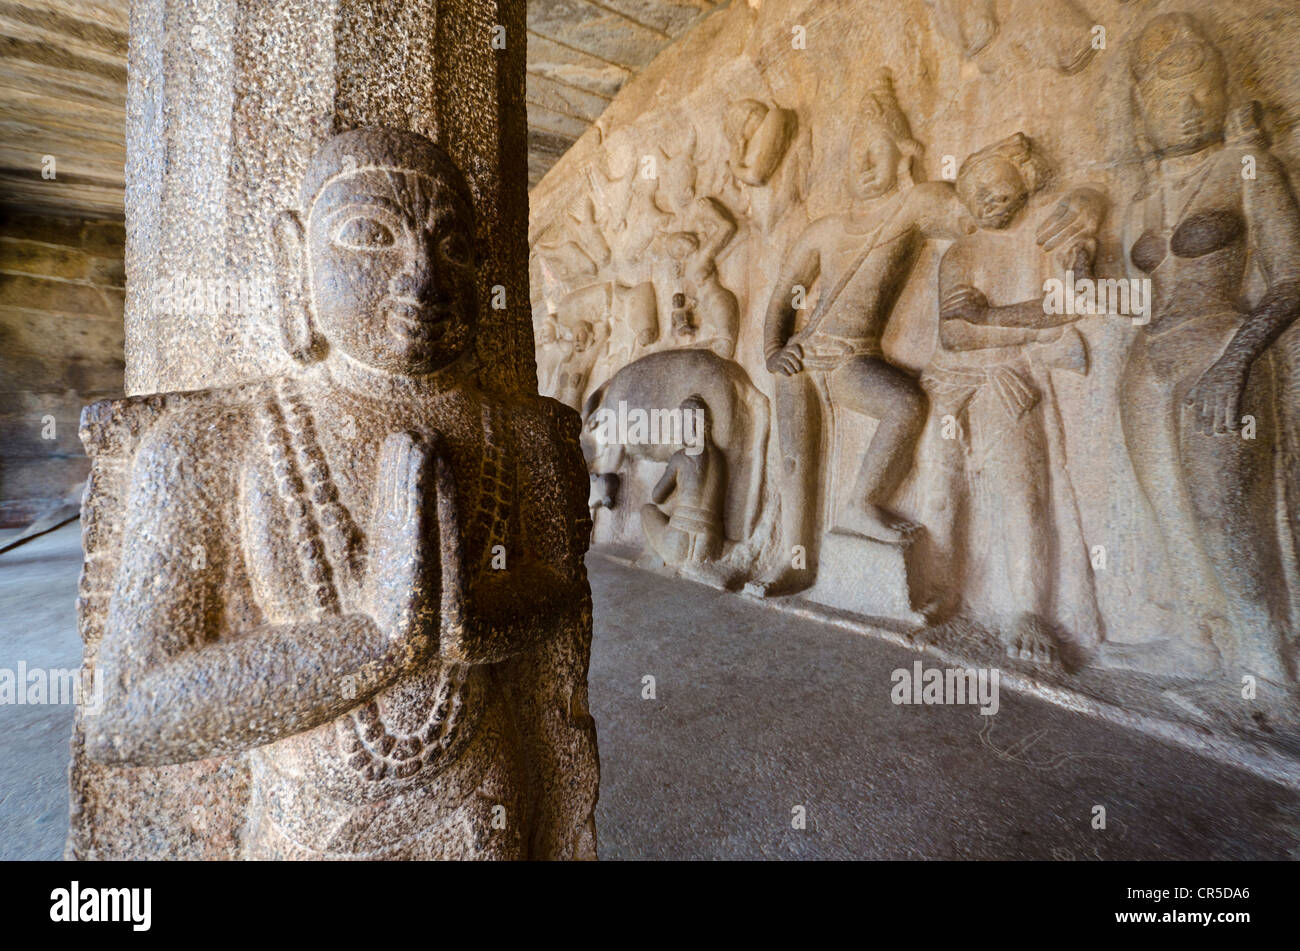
{"x": 872, "y": 387}
{"x": 1287, "y": 358}
{"x": 798, "y": 414}
{"x": 1233, "y": 493}
{"x": 943, "y": 508}
{"x": 1190, "y": 590}
{"x": 672, "y": 546}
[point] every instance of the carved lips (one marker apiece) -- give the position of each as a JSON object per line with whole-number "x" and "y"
{"x": 409, "y": 320}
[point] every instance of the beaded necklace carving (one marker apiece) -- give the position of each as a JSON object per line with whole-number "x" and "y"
{"x": 328, "y": 545}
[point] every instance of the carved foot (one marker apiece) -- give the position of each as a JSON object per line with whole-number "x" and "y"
{"x": 1031, "y": 641}
{"x": 709, "y": 573}
{"x": 878, "y": 524}
{"x": 786, "y": 582}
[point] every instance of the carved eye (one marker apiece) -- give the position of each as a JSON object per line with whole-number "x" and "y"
{"x": 362, "y": 233}
{"x": 454, "y": 249}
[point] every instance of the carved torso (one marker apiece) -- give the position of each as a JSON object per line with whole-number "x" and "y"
{"x": 867, "y": 263}
{"x": 309, "y": 477}
{"x": 1189, "y": 233}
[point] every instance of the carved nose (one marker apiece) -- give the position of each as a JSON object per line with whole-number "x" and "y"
{"x": 416, "y": 277}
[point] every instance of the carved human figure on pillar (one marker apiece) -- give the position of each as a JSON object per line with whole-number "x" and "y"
{"x": 1202, "y": 231}
{"x": 994, "y": 450}
{"x": 382, "y": 539}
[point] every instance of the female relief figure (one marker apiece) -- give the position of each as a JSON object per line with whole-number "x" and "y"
{"x": 1205, "y": 362}
{"x": 1004, "y": 544}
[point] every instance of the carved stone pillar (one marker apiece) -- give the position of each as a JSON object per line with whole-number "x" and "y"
{"x": 333, "y": 603}
{"x": 227, "y": 101}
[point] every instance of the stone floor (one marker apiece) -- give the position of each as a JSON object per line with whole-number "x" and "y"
{"x": 756, "y": 713}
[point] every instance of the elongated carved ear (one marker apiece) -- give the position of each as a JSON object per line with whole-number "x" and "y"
{"x": 297, "y": 331}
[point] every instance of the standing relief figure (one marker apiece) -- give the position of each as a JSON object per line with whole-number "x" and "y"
{"x": 1004, "y": 544}
{"x": 859, "y": 263}
{"x": 1210, "y": 362}
{"x": 391, "y": 554}
{"x": 583, "y": 324}
{"x": 552, "y": 349}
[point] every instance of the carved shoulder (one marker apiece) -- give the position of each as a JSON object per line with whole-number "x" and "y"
{"x": 1251, "y": 165}
{"x": 138, "y": 447}
{"x": 933, "y": 207}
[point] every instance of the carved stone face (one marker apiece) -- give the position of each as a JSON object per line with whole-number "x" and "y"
{"x": 993, "y": 192}
{"x": 1183, "y": 110}
{"x": 582, "y": 335}
{"x": 875, "y": 165}
{"x": 392, "y": 269}
{"x": 759, "y": 137}
{"x": 547, "y": 333}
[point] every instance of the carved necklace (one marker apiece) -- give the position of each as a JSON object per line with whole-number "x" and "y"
{"x": 327, "y": 544}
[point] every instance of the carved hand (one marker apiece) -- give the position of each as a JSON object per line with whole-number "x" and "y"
{"x": 1076, "y": 218}
{"x": 787, "y": 361}
{"x": 1215, "y": 400}
{"x": 1078, "y": 257}
{"x": 966, "y": 303}
{"x": 415, "y": 500}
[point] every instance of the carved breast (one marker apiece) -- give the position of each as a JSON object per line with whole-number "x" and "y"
{"x": 1207, "y": 232}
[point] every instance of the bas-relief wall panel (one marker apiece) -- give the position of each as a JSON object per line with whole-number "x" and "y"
{"x": 979, "y": 317}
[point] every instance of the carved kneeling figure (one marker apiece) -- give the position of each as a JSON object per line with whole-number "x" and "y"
{"x": 691, "y": 538}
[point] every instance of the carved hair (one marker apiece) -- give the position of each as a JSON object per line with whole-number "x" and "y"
{"x": 385, "y": 149}
{"x": 880, "y": 114}
{"x": 1173, "y": 45}
{"x": 695, "y": 403}
{"x": 1016, "y": 149}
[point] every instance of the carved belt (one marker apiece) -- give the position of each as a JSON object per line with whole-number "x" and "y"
{"x": 823, "y": 351}
{"x": 688, "y": 518}
{"x": 1015, "y": 393}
